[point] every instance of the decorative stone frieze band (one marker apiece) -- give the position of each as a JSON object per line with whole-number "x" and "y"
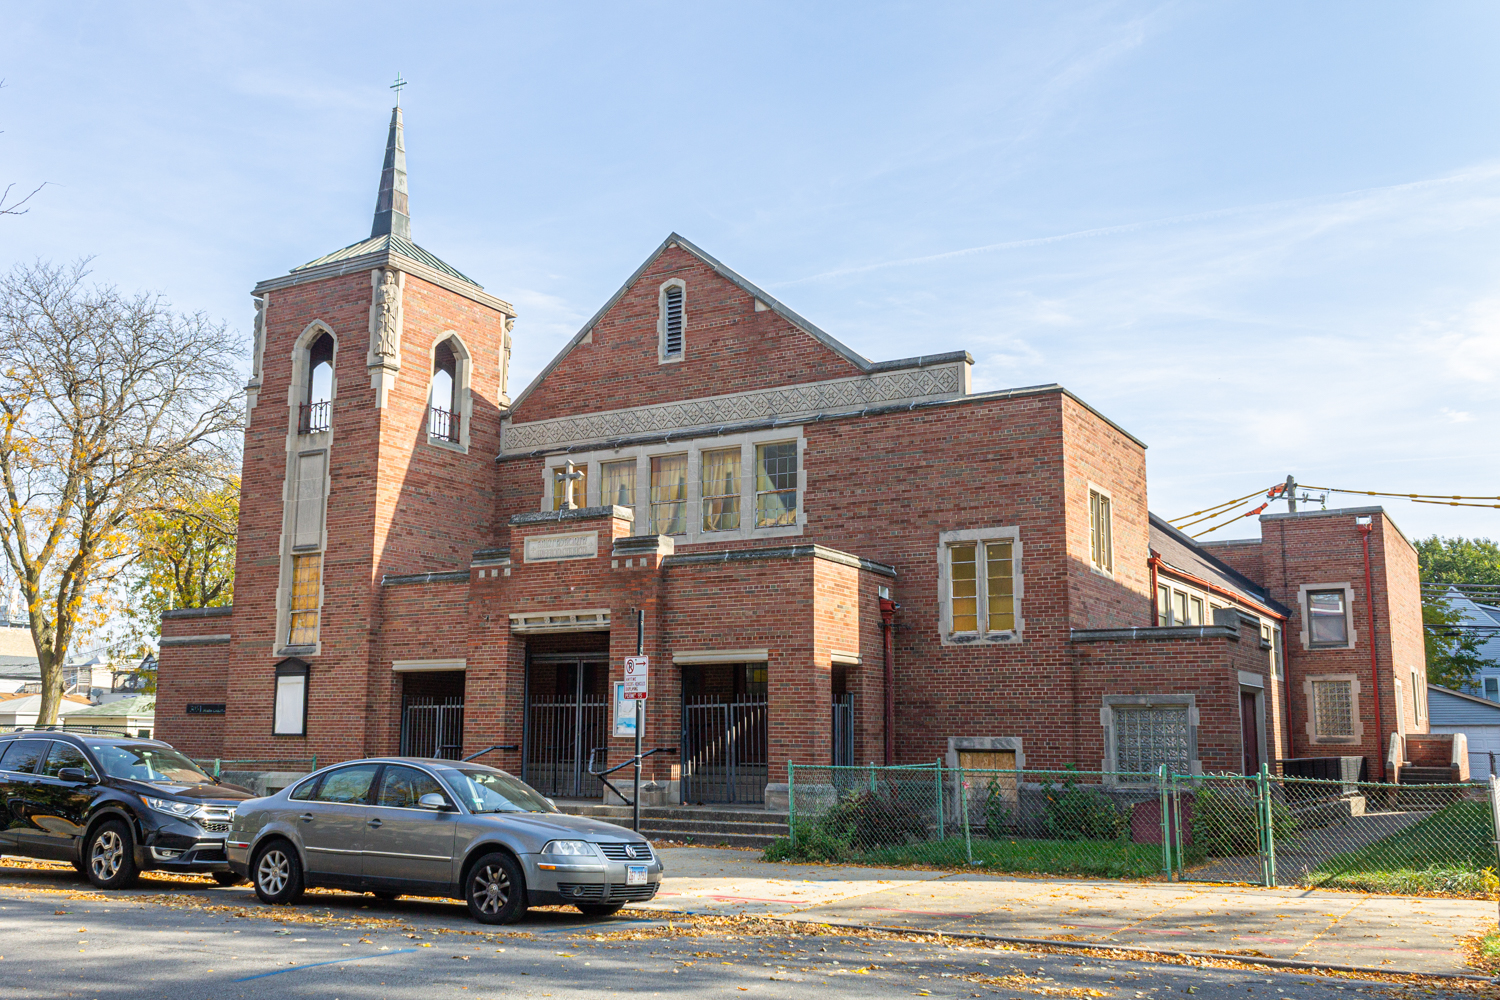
{"x": 912, "y": 385}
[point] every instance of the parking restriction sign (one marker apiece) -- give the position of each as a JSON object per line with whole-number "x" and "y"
{"x": 636, "y": 668}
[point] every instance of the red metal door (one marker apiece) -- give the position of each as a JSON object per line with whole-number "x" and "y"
{"x": 1250, "y": 732}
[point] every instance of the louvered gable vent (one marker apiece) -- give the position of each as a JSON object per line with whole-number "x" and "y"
{"x": 672, "y": 341}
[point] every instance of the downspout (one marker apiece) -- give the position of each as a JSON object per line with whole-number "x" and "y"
{"x": 1153, "y": 561}
{"x": 1364, "y": 530}
{"x": 888, "y": 635}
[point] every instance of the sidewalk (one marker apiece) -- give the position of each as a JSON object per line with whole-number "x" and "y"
{"x": 1395, "y": 933}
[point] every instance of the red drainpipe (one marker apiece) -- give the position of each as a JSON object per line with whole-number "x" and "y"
{"x": 1364, "y": 530}
{"x": 888, "y": 629}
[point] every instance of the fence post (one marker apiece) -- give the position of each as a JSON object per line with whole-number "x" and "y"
{"x": 1166, "y": 829}
{"x": 1495, "y": 811}
{"x": 1268, "y": 838}
{"x": 963, "y": 808}
{"x": 791, "y": 802}
{"x": 216, "y": 767}
{"x": 1177, "y": 827}
{"x": 942, "y": 835}
{"x": 315, "y": 761}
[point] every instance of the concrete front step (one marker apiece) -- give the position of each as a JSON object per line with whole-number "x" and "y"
{"x": 736, "y": 827}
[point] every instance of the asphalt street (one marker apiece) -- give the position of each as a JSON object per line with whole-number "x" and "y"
{"x": 187, "y": 945}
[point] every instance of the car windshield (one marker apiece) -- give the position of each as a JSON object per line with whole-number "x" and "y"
{"x": 145, "y": 762}
{"x": 483, "y": 790}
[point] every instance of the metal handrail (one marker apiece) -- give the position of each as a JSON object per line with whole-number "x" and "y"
{"x": 442, "y": 424}
{"x": 506, "y": 746}
{"x": 314, "y": 418}
{"x": 628, "y": 762}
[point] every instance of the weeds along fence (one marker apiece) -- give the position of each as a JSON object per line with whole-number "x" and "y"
{"x": 1260, "y": 829}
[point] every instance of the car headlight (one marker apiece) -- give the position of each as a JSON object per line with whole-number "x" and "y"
{"x": 172, "y": 807}
{"x": 569, "y": 848}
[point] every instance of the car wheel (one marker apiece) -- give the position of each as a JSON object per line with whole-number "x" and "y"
{"x": 110, "y": 856}
{"x": 386, "y": 897}
{"x": 496, "y": 890}
{"x": 227, "y": 878}
{"x": 599, "y": 909}
{"x": 277, "y": 873}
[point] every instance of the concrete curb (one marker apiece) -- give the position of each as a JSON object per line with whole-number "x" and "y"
{"x": 1278, "y": 963}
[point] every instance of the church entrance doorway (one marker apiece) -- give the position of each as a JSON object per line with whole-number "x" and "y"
{"x": 724, "y": 721}
{"x": 567, "y": 717}
{"x": 432, "y": 714}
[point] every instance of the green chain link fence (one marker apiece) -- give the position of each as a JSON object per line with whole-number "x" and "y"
{"x": 1261, "y": 829}
{"x": 217, "y": 766}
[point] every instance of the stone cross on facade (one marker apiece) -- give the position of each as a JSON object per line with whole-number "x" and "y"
{"x": 569, "y": 475}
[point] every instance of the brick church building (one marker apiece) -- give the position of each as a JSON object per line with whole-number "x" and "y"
{"x": 838, "y": 560}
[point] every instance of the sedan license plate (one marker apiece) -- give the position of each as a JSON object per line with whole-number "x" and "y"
{"x": 635, "y": 874}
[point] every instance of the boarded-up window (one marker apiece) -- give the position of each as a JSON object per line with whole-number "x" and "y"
{"x": 307, "y": 581}
{"x": 307, "y": 515}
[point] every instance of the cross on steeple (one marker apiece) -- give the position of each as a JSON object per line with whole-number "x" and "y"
{"x": 397, "y": 88}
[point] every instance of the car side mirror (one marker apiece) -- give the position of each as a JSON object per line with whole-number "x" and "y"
{"x": 74, "y": 774}
{"x": 434, "y": 801}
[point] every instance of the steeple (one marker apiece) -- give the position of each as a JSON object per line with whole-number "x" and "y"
{"x": 391, "y": 216}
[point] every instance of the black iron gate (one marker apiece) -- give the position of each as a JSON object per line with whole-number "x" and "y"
{"x": 432, "y": 727}
{"x": 562, "y": 728}
{"x": 724, "y": 755}
{"x": 843, "y": 730}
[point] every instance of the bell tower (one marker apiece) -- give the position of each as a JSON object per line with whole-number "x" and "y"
{"x": 377, "y": 387}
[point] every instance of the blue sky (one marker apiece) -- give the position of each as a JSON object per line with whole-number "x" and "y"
{"x": 1261, "y": 237}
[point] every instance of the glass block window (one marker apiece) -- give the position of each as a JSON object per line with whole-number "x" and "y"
{"x": 669, "y": 495}
{"x": 721, "y": 489}
{"x": 1333, "y": 708}
{"x": 1101, "y": 538}
{"x": 775, "y": 484}
{"x": 307, "y": 578}
{"x": 1327, "y": 623}
{"x": 1148, "y": 736}
{"x": 617, "y": 484}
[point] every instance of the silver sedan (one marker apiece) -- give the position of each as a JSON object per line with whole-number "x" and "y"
{"x": 397, "y": 826}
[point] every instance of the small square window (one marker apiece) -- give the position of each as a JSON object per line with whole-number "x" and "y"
{"x": 1328, "y": 624}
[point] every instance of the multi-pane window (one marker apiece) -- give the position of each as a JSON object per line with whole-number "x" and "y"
{"x": 1149, "y": 736}
{"x": 307, "y": 578}
{"x": 669, "y": 494}
{"x": 721, "y": 489}
{"x": 1271, "y": 635}
{"x": 566, "y": 484}
{"x": 776, "y": 484}
{"x": 1327, "y": 624}
{"x": 981, "y": 578}
{"x": 1163, "y": 605}
{"x": 617, "y": 484}
{"x": 1101, "y": 540}
{"x": 671, "y": 342}
{"x": 1177, "y": 607}
{"x": 1333, "y": 709}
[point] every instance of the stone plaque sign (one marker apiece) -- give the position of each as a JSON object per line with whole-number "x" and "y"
{"x": 573, "y": 545}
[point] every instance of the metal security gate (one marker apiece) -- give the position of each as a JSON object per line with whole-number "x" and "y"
{"x": 563, "y": 728}
{"x": 843, "y": 730}
{"x": 724, "y": 755}
{"x": 432, "y": 727}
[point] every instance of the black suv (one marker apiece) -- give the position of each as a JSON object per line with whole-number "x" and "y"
{"x": 113, "y": 806}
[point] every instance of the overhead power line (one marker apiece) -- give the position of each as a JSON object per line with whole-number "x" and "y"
{"x": 1440, "y": 497}
{"x": 1217, "y": 508}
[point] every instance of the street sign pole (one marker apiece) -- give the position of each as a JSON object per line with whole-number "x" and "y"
{"x": 640, "y": 712}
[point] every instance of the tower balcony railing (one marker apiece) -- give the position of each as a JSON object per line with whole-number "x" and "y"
{"x": 315, "y": 418}
{"x": 442, "y": 424}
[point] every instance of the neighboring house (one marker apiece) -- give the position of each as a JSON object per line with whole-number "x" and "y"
{"x": 457, "y": 569}
{"x": 134, "y": 715}
{"x": 23, "y": 709}
{"x": 1475, "y": 717}
{"x": 1487, "y": 617}
{"x": 17, "y": 673}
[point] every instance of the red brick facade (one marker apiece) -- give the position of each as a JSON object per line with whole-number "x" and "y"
{"x": 442, "y": 561}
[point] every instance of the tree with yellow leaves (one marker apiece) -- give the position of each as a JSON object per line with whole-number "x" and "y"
{"x": 108, "y": 404}
{"x": 184, "y": 552}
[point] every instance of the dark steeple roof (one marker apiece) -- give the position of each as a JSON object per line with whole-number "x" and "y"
{"x": 392, "y": 216}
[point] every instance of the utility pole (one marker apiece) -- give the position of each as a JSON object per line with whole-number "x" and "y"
{"x": 1291, "y": 494}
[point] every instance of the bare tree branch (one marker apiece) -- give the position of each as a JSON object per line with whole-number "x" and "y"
{"x": 110, "y": 407}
